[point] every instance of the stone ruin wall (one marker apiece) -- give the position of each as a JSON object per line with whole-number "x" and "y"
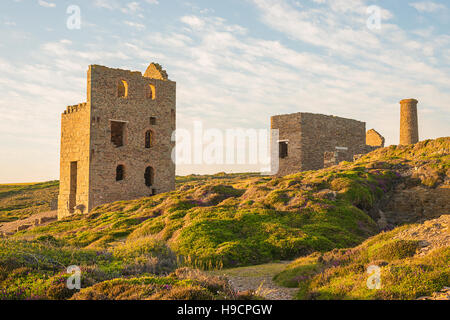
{"x": 75, "y": 136}
{"x": 86, "y": 138}
{"x": 288, "y": 130}
{"x": 310, "y": 136}
{"x": 136, "y": 109}
{"x": 374, "y": 139}
{"x": 322, "y": 133}
{"x": 332, "y": 158}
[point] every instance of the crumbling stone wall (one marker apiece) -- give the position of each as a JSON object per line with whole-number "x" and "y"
{"x": 147, "y": 103}
{"x": 310, "y": 135}
{"x": 373, "y": 138}
{"x": 75, "y": 145}
{"x": 332, "y": 158}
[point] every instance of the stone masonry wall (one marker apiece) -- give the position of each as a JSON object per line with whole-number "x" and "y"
{"x": 332, "y": 158}
{"x": 136, "y": 109}
{"x": 321, "y": 133}
{"x": 289, "y": 129}
{"x": 373, "y": 138}
{"x": 150, "y": 104}
{"x": 75, "y": 135}
{"x": 311, "y": 135}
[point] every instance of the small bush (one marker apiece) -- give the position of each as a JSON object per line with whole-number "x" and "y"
{"x": 393, "y": 250}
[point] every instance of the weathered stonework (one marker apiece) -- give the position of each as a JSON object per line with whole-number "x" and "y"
{"x": 315, "y": 140}
{"x": 117, "y": 145}
{"x": 409, "y": 128}
{"x": 373, "y": 138}
{"x": 332, "y": 158}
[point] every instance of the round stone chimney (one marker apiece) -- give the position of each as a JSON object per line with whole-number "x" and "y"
{"x": 409, "y": 129}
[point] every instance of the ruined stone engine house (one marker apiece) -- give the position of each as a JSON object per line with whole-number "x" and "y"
{"x": 309, "y": 141}
{"x": 117, "y": 145}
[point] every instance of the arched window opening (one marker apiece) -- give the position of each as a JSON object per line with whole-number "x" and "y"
{"x": 149, "y": 176}
{"x": 151, "y": 92}
{"x": 148, "y": 139}
{"x": 122, "y": 90}
{"x": 120, "y": 172}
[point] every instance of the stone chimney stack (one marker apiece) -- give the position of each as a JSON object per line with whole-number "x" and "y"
{"x": 409, "y": 130}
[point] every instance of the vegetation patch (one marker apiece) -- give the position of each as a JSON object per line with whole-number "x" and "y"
{"x": 20, "y": 201}
{"x": 343, "y": 273}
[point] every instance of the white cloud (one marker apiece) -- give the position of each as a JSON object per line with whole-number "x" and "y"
{"x": 46, "y": 4}
{"x": 193, "y": 21}
{"x": 131, "y": 7}
{"x": 107, "y": 4}
{"x": 136, "y": 25}
{"x": 427, "y": 6}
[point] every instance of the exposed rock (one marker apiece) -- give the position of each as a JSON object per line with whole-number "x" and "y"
{"x": 23, "y": 227}
{"x": 417, "y": 204}
{"x": 432, "y": 234}
{"x": 444, "y": 294}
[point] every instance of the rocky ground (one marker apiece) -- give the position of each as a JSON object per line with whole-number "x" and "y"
{"x": 38, "y": 219}
{"x": 432, "y": 234}
{"x": 259, "y": 280}
{"x": 444, "y": 294}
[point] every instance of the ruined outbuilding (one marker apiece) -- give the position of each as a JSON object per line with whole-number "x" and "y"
{"x": 374, "y": 139}
{"x": 117, "y": 145}
{"x": 308, "y": 141}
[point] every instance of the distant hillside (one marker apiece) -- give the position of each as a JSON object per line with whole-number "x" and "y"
{"x": 413, "y": 260}
{"x": 19, "y": 201}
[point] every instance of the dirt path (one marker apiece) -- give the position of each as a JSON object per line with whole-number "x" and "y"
{"x": 259, "y": 278}
{"x": 40, "y": 219}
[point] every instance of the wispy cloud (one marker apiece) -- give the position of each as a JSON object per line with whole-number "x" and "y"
{"x": 136, "y": 25}
{"x": 46, "y": 4}
{"x": 427, "y": 6}
{"x": 107, "y": 4}
{"x": 132, "y": 8}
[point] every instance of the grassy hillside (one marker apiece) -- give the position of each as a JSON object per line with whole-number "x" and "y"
{"x": 19, "y": 201}
{"x": 237, "y": 221}
{"x": 234, "y": 220}
{"x": 37, "y": 270}
{"x": 413, "y": 261}
{"x": 210, "y": 222}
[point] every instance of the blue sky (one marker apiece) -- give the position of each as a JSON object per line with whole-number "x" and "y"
{"x": 236, "y": 63}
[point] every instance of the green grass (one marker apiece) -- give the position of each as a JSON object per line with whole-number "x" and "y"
{"x": 241, "y": 219}
{"x": 342, "y": 274}
{"x": 261, "y": 270}
{"x": 223, "y": 221}
{"x": 21, "y": 200}
{"x": 38, "y": 270}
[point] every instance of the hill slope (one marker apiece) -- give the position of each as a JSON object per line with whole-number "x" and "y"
{"x": 413, "y": 261}
{"x": 211, "y": 222}
{"x": 20, "y": 201}
{"x": 234, "y": 220}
